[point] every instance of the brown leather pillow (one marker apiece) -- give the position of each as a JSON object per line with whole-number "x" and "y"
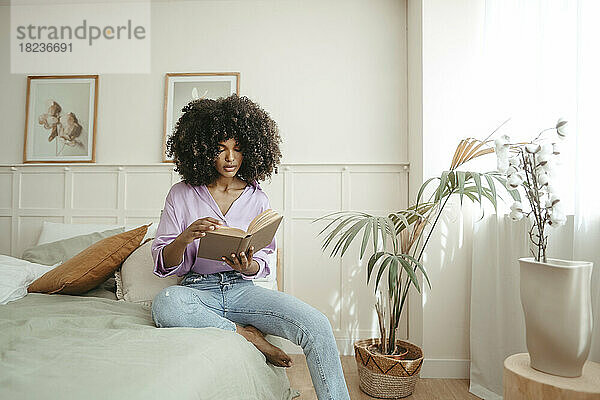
{"x": 91, "y": 267}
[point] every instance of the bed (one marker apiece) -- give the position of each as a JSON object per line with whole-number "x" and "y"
{"x": 92, "y": 346}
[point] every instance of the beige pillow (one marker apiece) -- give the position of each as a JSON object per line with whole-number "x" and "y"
{"x": 91, "y": 267}
{"x": 136, "y": 281}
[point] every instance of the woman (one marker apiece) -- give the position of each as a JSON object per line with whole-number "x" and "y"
{"x": 222, "y": 148}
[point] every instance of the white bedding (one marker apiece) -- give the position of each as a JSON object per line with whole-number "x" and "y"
{"x": 16, "y": 275}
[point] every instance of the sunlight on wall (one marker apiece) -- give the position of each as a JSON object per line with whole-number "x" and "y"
{"x": 542, "y": 86}
{"x": 588, "y": 140}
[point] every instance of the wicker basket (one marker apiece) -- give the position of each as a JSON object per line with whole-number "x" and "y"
{"x": 385, "y": 377}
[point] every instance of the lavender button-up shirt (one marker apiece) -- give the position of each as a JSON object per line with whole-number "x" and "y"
{"x": 185, "y": 204}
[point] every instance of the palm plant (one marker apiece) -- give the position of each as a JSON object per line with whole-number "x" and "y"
{"x": 397, "y": 238}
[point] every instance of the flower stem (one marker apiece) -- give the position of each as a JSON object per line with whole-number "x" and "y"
{"x": 532, "y": 192}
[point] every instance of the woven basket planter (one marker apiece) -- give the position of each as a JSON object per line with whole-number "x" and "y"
{"x": 387, "y": 377}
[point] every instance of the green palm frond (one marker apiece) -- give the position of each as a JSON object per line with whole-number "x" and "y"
{"x": 398, "y": 237}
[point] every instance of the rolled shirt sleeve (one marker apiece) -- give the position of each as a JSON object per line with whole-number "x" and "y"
{"x": 262, "y": 258}
{"x": 167, "y": 231}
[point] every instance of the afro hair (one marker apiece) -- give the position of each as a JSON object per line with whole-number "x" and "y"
{"x": 205, "y": 123}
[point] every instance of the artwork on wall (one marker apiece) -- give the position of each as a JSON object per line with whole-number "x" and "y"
{"x": 60, "y": 119}
{"x": 182, "y": 88}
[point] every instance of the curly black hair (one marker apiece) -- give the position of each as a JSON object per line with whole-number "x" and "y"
{"x": 205, "y": 123}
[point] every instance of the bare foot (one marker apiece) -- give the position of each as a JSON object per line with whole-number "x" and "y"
{"x": 274, "y": 354}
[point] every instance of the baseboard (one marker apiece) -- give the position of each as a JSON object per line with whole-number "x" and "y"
{"x": 432, "y": 367}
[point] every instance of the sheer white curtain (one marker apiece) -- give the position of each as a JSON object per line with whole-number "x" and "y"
{"x": 539, "y": 62}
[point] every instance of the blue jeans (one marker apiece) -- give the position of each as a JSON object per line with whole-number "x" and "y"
{"x": 224, "y": 298}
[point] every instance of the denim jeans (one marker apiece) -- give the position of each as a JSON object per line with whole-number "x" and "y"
{"x": 224, "y": 298}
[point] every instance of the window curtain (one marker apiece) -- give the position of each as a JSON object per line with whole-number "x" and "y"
{"x": 539, "y": 62}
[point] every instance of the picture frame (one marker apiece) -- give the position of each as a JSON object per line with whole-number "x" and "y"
{"x": 61, "y": 113}
{"x": 178, "y": 92}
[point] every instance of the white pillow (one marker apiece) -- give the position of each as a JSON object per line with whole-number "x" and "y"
{"x": 16, "y": 275}
{"x": 53, "y": 231}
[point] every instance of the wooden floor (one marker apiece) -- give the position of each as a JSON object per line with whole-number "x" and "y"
{"x": 426, "y": 389}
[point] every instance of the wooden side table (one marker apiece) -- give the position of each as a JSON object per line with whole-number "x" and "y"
{"x": 521, "y": 382}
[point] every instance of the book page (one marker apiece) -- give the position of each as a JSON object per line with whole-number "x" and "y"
{"x": 264, "y": 237}
{"x": 251, "y": 227}
{"x": 265, "y": 221}
{"x": 229, "y": 231}
{"x": 262, "y": 220}
{"x": 226, "y": 240}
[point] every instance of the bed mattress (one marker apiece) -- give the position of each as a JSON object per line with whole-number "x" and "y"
{"x": 74, "y": 347}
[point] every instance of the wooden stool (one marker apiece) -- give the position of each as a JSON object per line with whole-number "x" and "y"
{"x": 523, "y": 382}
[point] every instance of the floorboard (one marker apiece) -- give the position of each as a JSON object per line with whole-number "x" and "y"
{"x": 426, "y": 389}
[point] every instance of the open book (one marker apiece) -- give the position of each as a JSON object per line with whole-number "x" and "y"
{"x": 225, "y": 240}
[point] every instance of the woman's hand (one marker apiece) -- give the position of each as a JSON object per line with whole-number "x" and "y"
{"x": 197, "y": 228}
{"x": 243, "y": 262}
{"x": 173, "y": 252}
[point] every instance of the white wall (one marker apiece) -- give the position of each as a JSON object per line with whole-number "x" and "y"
{"x": 331, "y": 73}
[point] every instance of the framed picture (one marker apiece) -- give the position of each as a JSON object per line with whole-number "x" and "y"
{"x": 182, "y": 88}
{"x": 60, "y": 119}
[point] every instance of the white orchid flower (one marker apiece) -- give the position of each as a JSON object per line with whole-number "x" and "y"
{"x": 549, "y": 166}
{"x": 511, "y": 170}
{"x": 561, "y": 128}
{"x": 543, "y": 179}
{"x": 533, "y": 148}
{"x": 542, "y": 158}
{"x": 554, "y": 199}
{"x": 544, "y": 189}
{"x": 539, "y": 171}
{"x": 516, "y": 215}
{"x": 515, "y": 161}
{"x": 514, "y": 181}
{"x": 517, "y": 206}
{"x": 557, "y": 218}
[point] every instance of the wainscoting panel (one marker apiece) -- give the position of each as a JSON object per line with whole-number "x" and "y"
{"x": 87, "y": 196}
{"x": 6, "y": 193}
{"x": 51, "y": 185}
{"x": 6, "y": 232}
{"x": 135, "y": 194}
{"x": 146, "y": 190}
{"x": 317, "y": 191}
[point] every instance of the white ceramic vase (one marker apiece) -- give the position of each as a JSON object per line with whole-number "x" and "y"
{"x": 557, "y": 304}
